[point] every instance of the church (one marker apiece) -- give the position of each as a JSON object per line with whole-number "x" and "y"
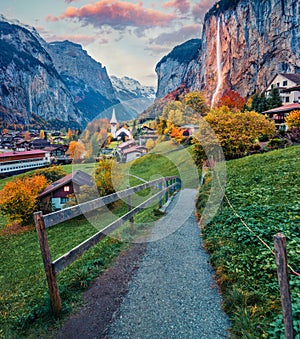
{"x": 118, "y": 133}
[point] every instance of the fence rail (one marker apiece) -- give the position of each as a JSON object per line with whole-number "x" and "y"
{"x": 42, "y": 222}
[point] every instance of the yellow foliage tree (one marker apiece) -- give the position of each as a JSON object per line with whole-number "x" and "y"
{"x": 150, "y": 144}
{"x": 19, "y": 198}
{"x": 237, "y": 132}
{"x": 106, "y": 179}
{"x": 293, "y": 119}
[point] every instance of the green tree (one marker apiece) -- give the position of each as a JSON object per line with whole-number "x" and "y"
{"x": 197, "y": 102}
{"x": 274, "y": 99}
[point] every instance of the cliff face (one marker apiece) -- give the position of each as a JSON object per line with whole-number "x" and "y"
{"x": 30, "y": 84}
{"x": 177, "y": 67}
{"x": 257, "y": 39}
{"x": 86, "y": 79}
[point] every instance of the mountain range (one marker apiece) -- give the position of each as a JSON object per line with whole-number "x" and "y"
{"x": 58, "y": 82}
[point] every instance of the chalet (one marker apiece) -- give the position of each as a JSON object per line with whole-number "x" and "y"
{"x": 288, "y": 85}
{"x": 279, "y": 114}
{"x": 123, "y": 134}
{"x": 131, "y": 153}
{"x": 56, "y": 195}
{"x": 39, "y": 143}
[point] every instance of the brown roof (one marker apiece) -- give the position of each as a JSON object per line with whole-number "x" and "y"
{"x": 80, "y": 178}
{"x": 293, "y": 77}
{"x": 283, "y": 109}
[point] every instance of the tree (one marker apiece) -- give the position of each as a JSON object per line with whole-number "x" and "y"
{"x": 106, "y": 179}
{"x": 237, "y": 132}
{"x": 232, "y": 100}
{"x": 19, "y": 198}
{"x": 274, "y": 99}
{"x": 197, "y": 102}
{"x": 76, "y": 150}
{"x": 293, "y": 119}
{"x": 42, "y": 134}
{"x": 150, "y": 144}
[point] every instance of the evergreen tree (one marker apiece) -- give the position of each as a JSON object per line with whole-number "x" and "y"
{"x": 263, "y": 103}
{"x": 274, "y": 100}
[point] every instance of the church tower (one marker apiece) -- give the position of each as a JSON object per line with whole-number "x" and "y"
{"x": 113, "y": 123}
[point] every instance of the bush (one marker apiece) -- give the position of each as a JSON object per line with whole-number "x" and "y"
{"x": 19, "y": 198}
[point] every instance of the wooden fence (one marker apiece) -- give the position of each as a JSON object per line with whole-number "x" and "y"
{"x": 166, "y": 187}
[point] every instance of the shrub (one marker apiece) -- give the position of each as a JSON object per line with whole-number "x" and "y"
{"x": 19, "y": 198}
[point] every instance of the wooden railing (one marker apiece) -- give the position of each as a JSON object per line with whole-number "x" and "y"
{"x": 166, "y": 187}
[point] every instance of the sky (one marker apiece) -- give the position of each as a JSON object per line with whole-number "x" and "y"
{"x": 127, "y": 37}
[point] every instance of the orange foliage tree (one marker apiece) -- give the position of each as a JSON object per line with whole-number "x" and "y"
{"x": 107, "y": 180}
{"x": 76, "y": 150}
{"x": 19, "y": 198}
{"x": 232, "y": 100}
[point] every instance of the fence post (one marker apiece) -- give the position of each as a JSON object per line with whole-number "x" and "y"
{"x": 46, "y": 255}
{"x": 131, "y": 220}
{"x": 167, "y": 192}
{"x": 282, "y": 273}
{"x": 160, "y": 199}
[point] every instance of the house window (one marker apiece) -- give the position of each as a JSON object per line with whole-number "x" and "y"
{"x": 284, "y": 83}
{"x": 272, "y": 86}
{"x": 63, "y": 200}
{"x": 67, "y": 189}
{"x": 287, "y": 99}
{"x": 278, "y": 84}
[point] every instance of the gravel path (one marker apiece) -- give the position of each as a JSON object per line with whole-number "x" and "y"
{"x": 173, "y": 293}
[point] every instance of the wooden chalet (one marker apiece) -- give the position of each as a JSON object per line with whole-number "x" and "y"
{"x": 56, "y": 195}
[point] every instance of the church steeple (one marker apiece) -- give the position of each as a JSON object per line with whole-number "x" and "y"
{"x": 113, "y": 123}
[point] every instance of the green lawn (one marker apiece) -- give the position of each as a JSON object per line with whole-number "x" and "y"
{"x": 264, "y": 189}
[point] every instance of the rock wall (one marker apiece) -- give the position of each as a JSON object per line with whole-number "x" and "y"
{"x": 259, "y": 38}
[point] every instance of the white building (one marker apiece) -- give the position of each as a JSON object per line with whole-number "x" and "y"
{"x": 288, "y": 85}
{"x": 113, "y": 124}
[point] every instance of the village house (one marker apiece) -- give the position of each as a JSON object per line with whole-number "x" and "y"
{"x": 56, "y": 195}
{"x": 288, "y": 85}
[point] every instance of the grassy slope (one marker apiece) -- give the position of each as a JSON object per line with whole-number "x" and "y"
{"x": 264, "y": 189}
{"x": 24, "y": 301}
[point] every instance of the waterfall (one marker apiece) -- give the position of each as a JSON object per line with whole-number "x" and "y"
{"x": 219, "y": 65}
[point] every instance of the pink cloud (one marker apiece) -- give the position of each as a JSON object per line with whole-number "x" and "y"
{"x": 182, "y": 5}
{"x": 116, "y": 14}
{"x": 200, "y": 9}
{"x": 183, "y": 34}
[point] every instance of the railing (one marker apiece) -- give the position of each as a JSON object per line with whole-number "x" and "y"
{"x": 166, "y": 187}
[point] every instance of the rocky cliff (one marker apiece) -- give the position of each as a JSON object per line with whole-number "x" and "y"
{"x": 255, "y": 39}
{"x": 30, "y": 85}
{"x": 86, "y": 79}
{"x": 178, "y": 67}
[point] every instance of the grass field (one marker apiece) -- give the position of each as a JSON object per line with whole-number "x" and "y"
{"x": 264, "y": 190}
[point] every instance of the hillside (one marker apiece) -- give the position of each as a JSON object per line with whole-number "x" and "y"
{"x": 264, "y": 190}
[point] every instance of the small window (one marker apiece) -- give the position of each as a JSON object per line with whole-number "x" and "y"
{"x": 272, "y": 86}
{"x": 284, "y": 83}
{"x": 287, "y": 99}
{"x": 278, "y": 84}
{"x": 67, "y": 189}
{"x": 64, "y": 200}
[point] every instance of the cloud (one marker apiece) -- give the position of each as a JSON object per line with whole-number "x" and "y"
{"x": 116, "y": 14}
{"x": 77, "y": 38}
{"x": 183, "y": 34}
{"x": 69, "y": 1}
{"x": 200, "y": 9}
{"x": 156, "y": 50}
{"x": 183, "y": 6}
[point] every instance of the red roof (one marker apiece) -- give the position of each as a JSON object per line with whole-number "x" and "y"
{"x": 11, "y": 154}
{"x": 283, "y": 109}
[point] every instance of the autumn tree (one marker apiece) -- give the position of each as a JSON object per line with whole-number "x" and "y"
{"x": 106, "y": 179}
{"x": 237, "y": 132}
{"x": 150, "y": 144}
{"x": 293, "y": 119}
{"x": 197, "y": 102}
{"x": 19, "y": 198}
{"x": 42, "y": 134}
{"x": 76, "y": 150}
{"x": 232, "y": 100}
